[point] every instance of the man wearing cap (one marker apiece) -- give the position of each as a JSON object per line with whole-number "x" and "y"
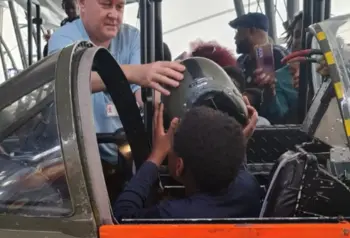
{"x": 271, "y": 97}
{"x": 252, "y": 29}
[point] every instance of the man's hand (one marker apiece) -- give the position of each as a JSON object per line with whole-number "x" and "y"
{"x": 248, "y": 130}
{"x": 155, "y": 74}
{"x": 323, "y": 68}
{"x": 294, "y": 69}
{"x": 265, "y": 81}
{"x": 47, "y": 36}
{"x": 162, "y": 140}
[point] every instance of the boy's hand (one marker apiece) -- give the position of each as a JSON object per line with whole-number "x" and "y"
{"x": 248, "y": 130}
{"x": 162, "y": 141}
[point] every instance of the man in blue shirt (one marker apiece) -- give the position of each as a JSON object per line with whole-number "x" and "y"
{"x": 101, "y": 23}
{"x": 205, "y": 154}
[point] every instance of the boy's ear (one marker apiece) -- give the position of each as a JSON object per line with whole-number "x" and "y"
{"x": 179, "y": 169}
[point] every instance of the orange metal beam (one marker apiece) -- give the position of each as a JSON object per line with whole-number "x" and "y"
{"x": 339, "y": 230}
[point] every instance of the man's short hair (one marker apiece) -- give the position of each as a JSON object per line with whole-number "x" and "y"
{"x": 212, "y": 147}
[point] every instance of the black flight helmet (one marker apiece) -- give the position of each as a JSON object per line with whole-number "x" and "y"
{"x": 205, "y": 83}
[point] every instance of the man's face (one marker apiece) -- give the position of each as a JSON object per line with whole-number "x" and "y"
{"x": 70, "y": 8}
{"x": 71, "y": 12}
{"x": 243, "y": 41}
{"x": 104, "y": 17}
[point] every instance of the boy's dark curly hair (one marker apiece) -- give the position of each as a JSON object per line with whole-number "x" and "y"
{"x": 290, "y": 29}
{"x": 212, "y": 147}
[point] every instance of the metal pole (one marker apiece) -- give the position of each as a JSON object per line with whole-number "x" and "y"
{"x": 292, "y": 8}
{"x": 158, "y": 30}
{"x": 270, "y": 13}
{"x": 319, "y": 11}
{"x": 38, "y": 21}
{"x": 148, "y": 105}
{"x": 239, "y": 7}
{"x": 150, "y": 32}
{"x": 18, "y": 34}
{"x": 7, "y": 49}
{"x": 34, "y": 31}
{"x": 30, "y": 31}
{"x": 4, "y": 67}
{"x": 147, "y": 56}
{"x": 143, "y": 30}
{"x": 304, "y": 72}
{"x": 327, "y": 9}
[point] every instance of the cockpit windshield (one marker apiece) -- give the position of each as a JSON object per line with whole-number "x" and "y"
{"x": 22, "y": 106}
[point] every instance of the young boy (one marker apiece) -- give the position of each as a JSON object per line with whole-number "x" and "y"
{"x": 206, "y": 153}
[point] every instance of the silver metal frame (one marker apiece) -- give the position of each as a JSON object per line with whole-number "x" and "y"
{"x": 18, "y": 34}
{"x": 82, "y": 221}
{"x": 335, "y": 67}
{"x": 87, "y": 139}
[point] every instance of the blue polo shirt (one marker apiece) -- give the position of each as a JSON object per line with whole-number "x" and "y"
{"x": 125, "y": 48}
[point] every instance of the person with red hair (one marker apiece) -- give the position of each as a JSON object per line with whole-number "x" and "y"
{"x": 226, "y": 59}
{"x": 221, "y": 55}
{"x": 213, "y": 51}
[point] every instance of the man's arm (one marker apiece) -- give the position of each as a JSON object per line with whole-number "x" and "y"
{"x": 148, "y": 75}
{"x": 135, "y": 59}
{"x": 58, "y": 42}
{"x": 285, "y": 99}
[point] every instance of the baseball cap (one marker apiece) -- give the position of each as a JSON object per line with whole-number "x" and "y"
{"x": 251, "y": 20}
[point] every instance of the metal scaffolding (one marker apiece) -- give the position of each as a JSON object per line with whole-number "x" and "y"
{"x": 271, "y": 8}
{"x": 270, "y": 11}
{"x": 3, "y": 61}
{"x": 18, "y": 34}
{"x": 292, "y": 7}
{"x": 239, "y": 7}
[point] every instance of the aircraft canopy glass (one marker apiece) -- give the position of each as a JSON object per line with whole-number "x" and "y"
{"x": 334, "y": 38}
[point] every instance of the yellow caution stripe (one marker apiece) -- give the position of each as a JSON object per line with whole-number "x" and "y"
{"x": 338, "y": 88}
{"x": 329, "y": 58}
{"x": 347, "y": 126}
{"x": 321, "y": 36}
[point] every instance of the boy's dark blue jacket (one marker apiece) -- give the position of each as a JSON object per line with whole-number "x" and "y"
{"x": 241, "y": 200}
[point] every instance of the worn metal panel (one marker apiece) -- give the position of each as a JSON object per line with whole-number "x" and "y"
{"x": 86, "y": 135}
